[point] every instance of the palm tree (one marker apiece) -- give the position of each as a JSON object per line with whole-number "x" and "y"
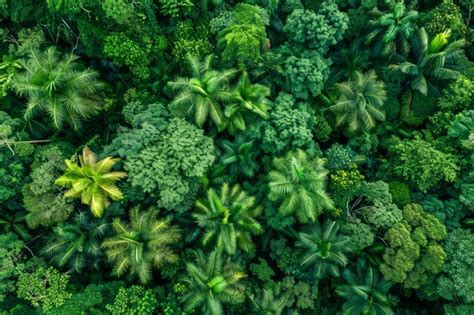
{"x": 347, "y": 60}
{"x": 325, "y": 249}
{"x": 433, "y": 61}
{"x": 299, "y": 183}
{"x": 77, "y": 244}
{"x": 56, "y": 85}
{"x": 143, "y": 243}
{"x": 14, "y": 223}
{"x": 92, "y": 181}
{"x": 210, "y": 282}
{"x": 266, "y": 303}
{"x": 365, "y": 291}
{"x": 238, "y": 158}
{"x": 392, "y": 29}
{"x": 203, "y": 94}
{"x": 228, "y": 219}
{"x": 361, "y": 102}
{"x": 247, "y": 97}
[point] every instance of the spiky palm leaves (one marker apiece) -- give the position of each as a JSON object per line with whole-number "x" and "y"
{"x": 14, "y": 223}
{"x": 433, "y": 61}
{"x": 247, "y": 98}
{"x": 142, "y": 244}
{"x": 54, "y": 84}
{"x": 93, "y": 181}
{"x": 392, "y": 30}
{"x": 365, "y": 291}
{"x": 228, "y": 219}
{"x": 210, "y": 282}
{"x": 203, "y": 94}
{"x": 77, "y": 244}
{"x": 298, "y": 182}
{"x": 238, "y": 158}
{"x": 325, "y": 249}
{"x": 361, "y": 102}
{"x": 267, "y": 303}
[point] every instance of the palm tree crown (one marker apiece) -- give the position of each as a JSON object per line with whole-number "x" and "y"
{"x": 299, "y": 183}
{"x": 55, "y": 85}
{"x": 361, "y": 102}
{"x": 365, "y": 291}
{"x": 392, "y": 30}
{"x": 143, "y": 243}
{"x": 325, "y": 249}
{"x": 92, "y": 181}
{"x": 238, "y": 158}
{"x": 203, "y": 94}
{"x": 433, "y": 61}
{"x": 266, "y": 303}
{"x": 76, "y": 244}
{"x": 211, "y": 282}
{"x": 228, "y": 218}
{"x": 247, "y": 97}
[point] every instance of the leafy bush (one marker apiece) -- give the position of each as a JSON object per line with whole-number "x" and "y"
{"x": 290, "y": 126}
{"x": 422, "y": 165}
{"x": 133, "y": 300}
{"x": 167, "y": 168}
{"x": 455, "y": 282}
{"x": 44, "y": 287}
{"x": 413, "y": 255}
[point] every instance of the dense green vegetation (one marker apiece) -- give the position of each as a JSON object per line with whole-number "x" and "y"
{"x": 217, "y": 157}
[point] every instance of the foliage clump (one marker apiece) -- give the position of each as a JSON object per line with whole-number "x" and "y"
{"x": 167, "y": 168}
{"x": 421, "y": 164}
{"x": 414, "y": 255}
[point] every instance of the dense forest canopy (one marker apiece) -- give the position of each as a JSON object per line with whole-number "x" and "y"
{"x": 237, "y": 157}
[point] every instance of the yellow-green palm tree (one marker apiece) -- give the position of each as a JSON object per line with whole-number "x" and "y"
{"x": 93, "y": 181}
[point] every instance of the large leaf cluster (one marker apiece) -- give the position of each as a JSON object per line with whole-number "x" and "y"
{"x": 414, "y": 254}
{"x": 167, "y": 168}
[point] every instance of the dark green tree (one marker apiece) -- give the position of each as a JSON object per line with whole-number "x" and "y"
{"x": 77, "y": 244}
{"x": 365, "y": 291}
{"x": 392, "y": 29}
{"x": 266, "y": 303}
{"x": 432, "y": 61}
{"x": 325, "y": 249}
{"x": 237, "y": 160}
